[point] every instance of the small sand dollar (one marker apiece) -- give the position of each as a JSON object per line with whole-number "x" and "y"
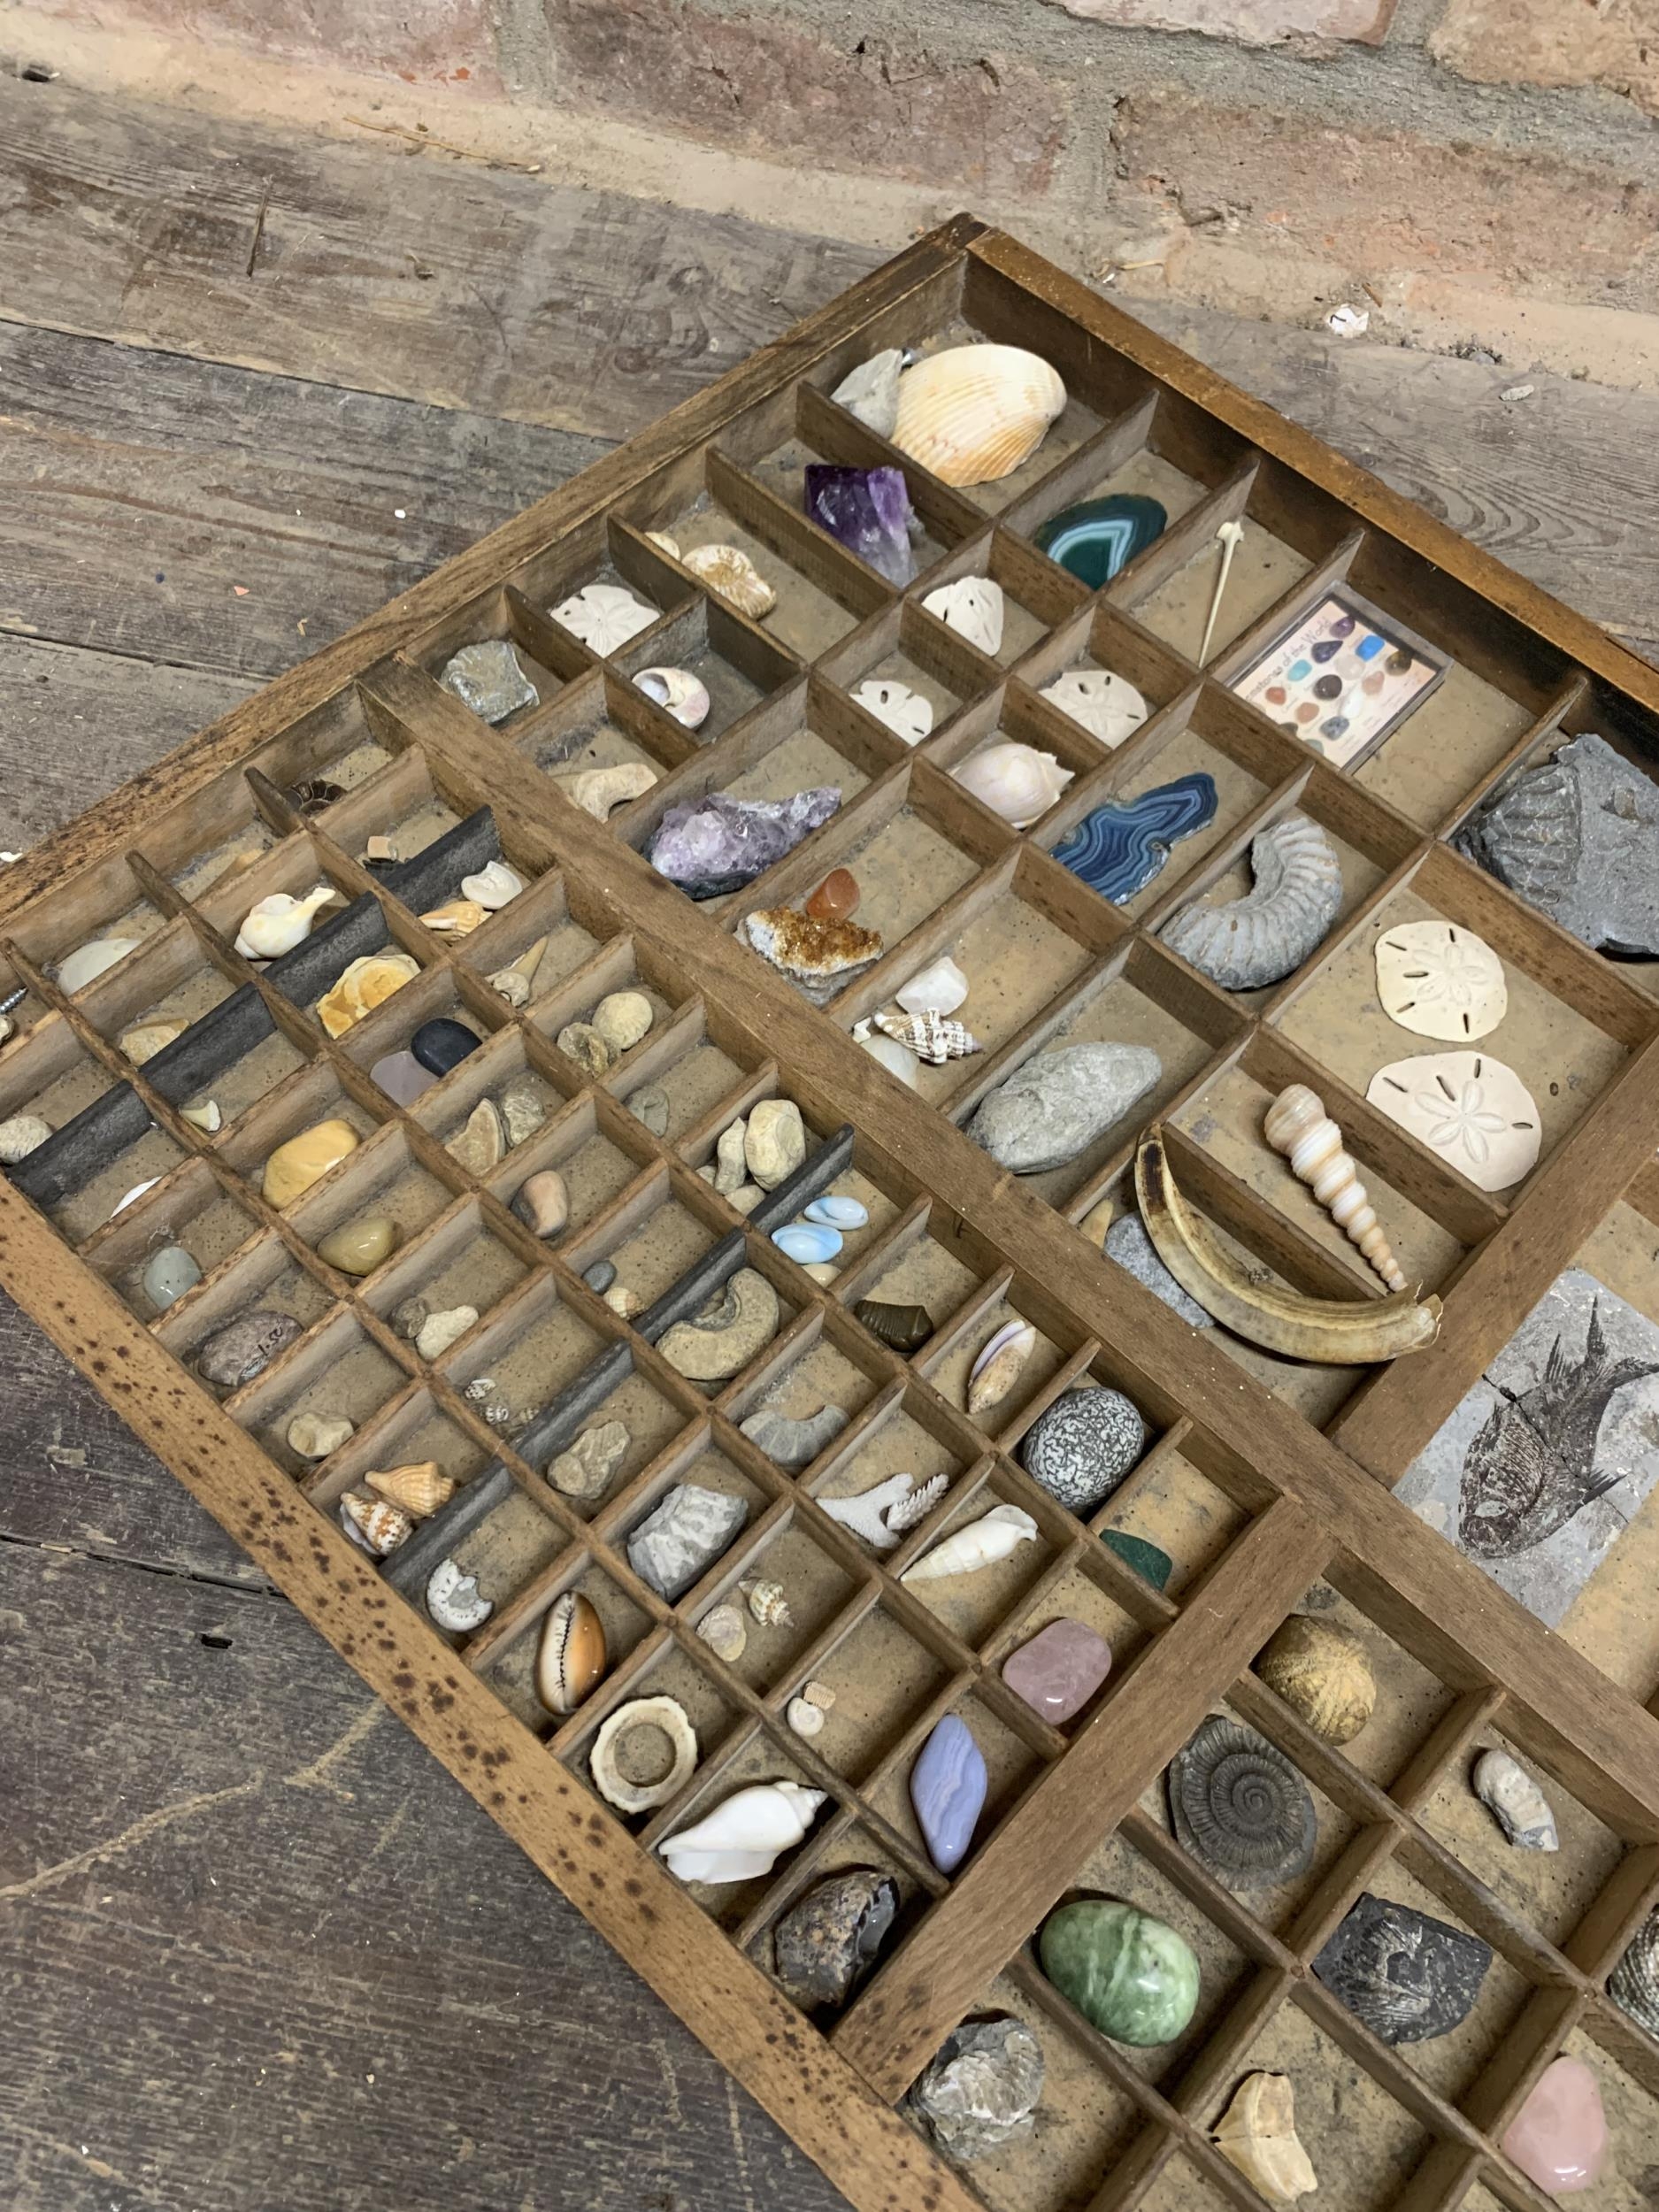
{"x": 1439, "y": 979}
{"x": 1475, "y": 1112}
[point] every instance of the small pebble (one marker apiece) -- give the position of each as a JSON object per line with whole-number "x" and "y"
{"x": 410, "y": 1317}
{"x": 650, "y": 1104}
{"x": 314, "y": 1435}
{"x": 584, "y": 1471}
{"x": 746, "y": 1197}
{"x": 623, "y": 1018}
{"x": 580, "y": 1041}
{"x": 542, "y": 1204}
{"x": 358, "y": 1247}
{"x": 168, "y": 1274}
{"x": 400, "y": 1076}
{"x": 443, "y": 1044}
{"x": 600, "y": 1276}
{"x": 245, "y": 1347}
{"x": 523, "y": 1109}
{"x": 20, "y": 1136}
{"x": 836, "y": 897}
{"x": 439, "y": 1331}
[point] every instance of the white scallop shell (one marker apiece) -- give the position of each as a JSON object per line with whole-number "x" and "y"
{"x": 604, "y": 616}
{"x": 980, "y": 1544}
{"x": 937, "y": 988}
{"x": 1439, "y": 979}
{"x": 971, "y": 606}
{"x": 906, "y": 713}
{"x": 495, "y": 885}
{"x": 1246, "y": 943}
{"x": 1109, "y": 707}
{"x": 275, "y": 924}
{"x": 975, "y": 413}
{"x": 1014, "y": 780}
{"x": 453, "y": 1601}
{"x": 678, "y": 692}
{"x": 726, "y": 570}
{"x": 741, "y": 1838}
{"x": 1475, "y": 1112}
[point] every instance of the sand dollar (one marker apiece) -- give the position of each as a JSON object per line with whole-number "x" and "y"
{"x": 1475, "y": 1112}
{"x": 1439, "y": 979}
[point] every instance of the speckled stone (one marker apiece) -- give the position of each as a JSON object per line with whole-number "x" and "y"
{"x": 1059, "y": 1669}
{"x": 245, "y": 1347}
{"x": 982, "y": 2089}
{"x": 824, "y": 1945}
{"x": 1083, "y": 1446}
{"x": 1128, "y": 1243}
{"x": 948, "y": 1788}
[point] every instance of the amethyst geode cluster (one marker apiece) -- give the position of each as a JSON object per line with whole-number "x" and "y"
{"x": 868, "y": 511}
{"x": 716, "y": 844}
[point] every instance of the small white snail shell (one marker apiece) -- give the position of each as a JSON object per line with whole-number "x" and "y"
{"x": 453, "y": 1600}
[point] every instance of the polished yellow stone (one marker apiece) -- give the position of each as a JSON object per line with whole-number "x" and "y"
{"x": 295, "y": 1166}
{"x": 358, "y": 1247}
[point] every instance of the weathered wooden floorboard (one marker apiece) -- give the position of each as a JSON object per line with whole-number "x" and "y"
{"x": 404, "y": 274}
{"x": 179, "y": 511}
{"x": 258, "y": 1952}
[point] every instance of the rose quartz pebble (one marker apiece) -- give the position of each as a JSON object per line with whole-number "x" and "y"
{"x": 1059, "y": 1669}
{"x": 1558, "y": 2139}
{"x": 835, "y": 897}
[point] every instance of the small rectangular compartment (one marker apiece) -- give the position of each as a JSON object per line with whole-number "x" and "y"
{"x": 1175, "y": 604}
{"x": 1361, "y": 2143}
{"x": 189, "y": 1211}
{"x": 337, "y": 1372}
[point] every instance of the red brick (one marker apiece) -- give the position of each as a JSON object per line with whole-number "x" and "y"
{"x": 779, "y": 90}
{"x": 419, "y": 41}
{"x": 1615, "y": 44}
{"x": 1251, "y": 22}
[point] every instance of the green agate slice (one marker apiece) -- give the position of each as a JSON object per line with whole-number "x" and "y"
{"x": 1130, "y": 1976}
{"x": 1151, "y": 1565}
{"x": 1097, "y": 538}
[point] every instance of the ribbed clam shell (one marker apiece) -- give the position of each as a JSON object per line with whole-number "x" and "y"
{"x": 931, "y": 1037}
{"x": 1530, "y": 836}
{"x": 1633, "y": 1985}
{"x": 1260, "y": 939}
{"x": 974, "y": 414}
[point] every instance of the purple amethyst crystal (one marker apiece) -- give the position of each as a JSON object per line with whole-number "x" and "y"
{"x": 716, "y": 844}
{"x": 868, "y": 511}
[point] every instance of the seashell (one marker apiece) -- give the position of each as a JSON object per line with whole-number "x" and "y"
{"x": 136, "y": 1192}
{"x": 1016, "y": 781}
{"x": 1258, "y": 2134}
{"x": 724, "y": 1334}
{"x": 890, "y": 1055}
{"x": 1297, "y": 1125}
{"x": 722, "y": 1629}
{"x": 495, "y": 885}
{"x": 679, "y": 692}
{"x": 305, "y": 1159}
{"x": 145, "y": 1040}
{"x": 1514, "y": 1802}
{"x": 1246, "y": 943}
{"x": 742, "y": 1837}
{"x": 733, "y": 576}
{"x": 937, "y": 988}
{"x": 1468, "y": 1107}
{"x": 453, "y": 1601}
{"x": 439, "y": 1331}
{"x": 974, "y": 414}
{"x": 275, "y": 924}
{"x": 571, "y": 1656}
{"x": 906, "y": 713}
{"x": 806, "y": 1719}
{"x": 1439, "y": 980}
{"x": 1108, "y": 707}
{"x": 604, "y": 616}
{"x": 666, "y": 1718}
{"x": 1239, "y": 1806}
{"x": 1407, "y": 1976}
{"x": 599, "y": 791}
{"x": 364, "y": 984}
{"x": 1633, "y": 1985}
{"x": 455, "y": 918}
{"x": 20, "y": 1135}
{"x": 901, "y": 1328}
{"x": 86, "y": 962}
{"x": 1322, "y": 1673}
{"x": 808, "y": 1243}
{"x": 839, "y": 1211}
{"x": 375, "y": 1522}
{"x": 205, "y": 1117}
{"x": 661, "y": 538}
{"x": 972, "y": 607}
{"x": 768, "y": 1603}
{"x": 1000, "y": 1364}
{"x": 622, "y": 1299}
{"x": 871, "y": 391}
{"x": 981, "y": 1543}
{"x": 419, "y": 1487}
{"x": 314, "y": 1435}
{"x": 478, "y": 1145}
{"x": 931, "y": 1037}
{"x": 882, "y": 1514}
{"x": 622, "y": 1019}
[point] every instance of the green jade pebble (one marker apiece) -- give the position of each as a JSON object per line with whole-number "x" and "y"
{"x": 1151, "y": 1565}
{"x": 1130, "y": 1976}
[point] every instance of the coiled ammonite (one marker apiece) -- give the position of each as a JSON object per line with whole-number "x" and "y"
{"x": 1240, "y": 1807}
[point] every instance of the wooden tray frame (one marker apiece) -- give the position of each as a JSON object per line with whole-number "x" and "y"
{"x": 1316, "y": 1505}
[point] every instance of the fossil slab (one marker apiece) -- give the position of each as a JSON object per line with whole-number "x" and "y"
{"x": 1476, "y": 1113}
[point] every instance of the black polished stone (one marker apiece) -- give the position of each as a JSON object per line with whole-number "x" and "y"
{"x": 443, "y": 1044}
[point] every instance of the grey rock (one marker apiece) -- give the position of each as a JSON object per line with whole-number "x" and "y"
{"x": 982, "y": 2088}
{"x": 168, "y": 1274}
{"x": 717, "y": 844}
{"x": 489, "y": 678}
{"x": 409, "y": 1317}
{"x": 1408, "y": 1977}
{"x": 1578, "y": 836}
{"x": 1128, "y": 1243}
{"x": 1513, "y": 1798}
{"x": 650, "y": 1105}
{"x": 1081, "y": 1448}
{"x": 682, "y": 1535}
{"x": 523, "y": 1109}
{"x": 585, "y": 1470}
{"x": 245, "y": 1347}
{"x": 1058, "y": 1103}
{"x": 794, "y": 1443}
{"x": 600, "y": 1276}
{"x": 823, "y": 1947}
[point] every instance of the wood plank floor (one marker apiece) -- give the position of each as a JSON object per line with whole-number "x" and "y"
{"x": 252, "y": 387}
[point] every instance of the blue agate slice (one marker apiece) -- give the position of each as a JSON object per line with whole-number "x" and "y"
{"x": 1097, "y": 538}
{"x": 1118, "y": 849}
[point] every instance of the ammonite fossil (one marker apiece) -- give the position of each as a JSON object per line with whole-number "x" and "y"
{"x": 1239, "y": 1806}
{"x": 316, "y": 792}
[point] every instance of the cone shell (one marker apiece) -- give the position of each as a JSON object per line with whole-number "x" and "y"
{"x": 419, "y": 1488}
{"x": 362, "y": 986}
{"x": 975, "y": 413}
{"x": 1322, "y": 1673}
{"x": 1258, "y": 2134}
{"x": 999, "y": 1366}
{"x": 571, "y": 1659}
{"x": 931, "y": 1037}
{"x": 380, "y": 1525}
